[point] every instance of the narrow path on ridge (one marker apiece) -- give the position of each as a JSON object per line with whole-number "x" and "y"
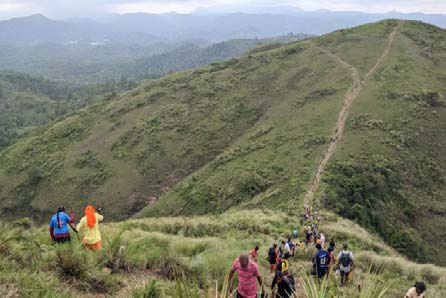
{"x": 351, "y": 95}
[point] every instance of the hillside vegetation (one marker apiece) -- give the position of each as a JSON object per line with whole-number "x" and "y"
{"x": 28, "y": 102}
{"x": 251, "y": 132}
{"x": 189, "y": 257}
{"x": 83, "y": 62}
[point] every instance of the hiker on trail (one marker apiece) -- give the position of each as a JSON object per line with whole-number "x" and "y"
{"x": 345, "y": 264}
{"x": 320, "y": 262}
{"x": 284, "y": 281}
{"x": 254, "y": 253}
{"x": 417, "y": 291}
{"x": 295, "y": 233}
{"x": 301, "y": 244}
{"x": 89, "y": 227}
{"x": 308, "y": 236}
{"x": 291, "y": 246}
{"x": 287, "y": 247}
{"x": 59, "y": 226}
{"x": 248, "y": 274}
{"x": 332, "y": 259}
{"x": 282, "y": 249}
{"x": 272, "y": 258}
{"x": 284, "y": 263}
{"x": 322, "y": 237}
{"x": 332, "y": 243}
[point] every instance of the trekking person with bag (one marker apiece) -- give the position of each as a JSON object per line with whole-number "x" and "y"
{"x": 345, "y": 264}
{"x": 59, "y": 226}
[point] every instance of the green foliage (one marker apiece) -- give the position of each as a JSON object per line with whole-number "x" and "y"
{"x": 27, "y": 102}
{"x": 363, "y": 192}
{"x": 151, "y": 290}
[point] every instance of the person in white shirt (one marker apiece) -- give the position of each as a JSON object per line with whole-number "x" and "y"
{"x": 322, "y": 237}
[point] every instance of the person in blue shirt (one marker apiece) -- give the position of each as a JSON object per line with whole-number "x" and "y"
{"x": 321, "y": 261}
{"x": 59, "y": 226}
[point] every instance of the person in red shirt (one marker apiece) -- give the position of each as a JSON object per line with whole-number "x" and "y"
{"x": 248, "y": 276}
{"x": 253, "y": 253}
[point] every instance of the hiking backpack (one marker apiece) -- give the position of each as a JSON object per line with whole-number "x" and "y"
{"x": 284, "y": 265}
{"x": 345, "y": 259}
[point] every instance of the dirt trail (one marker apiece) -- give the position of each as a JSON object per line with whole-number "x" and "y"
{"x": 351, "y": 95}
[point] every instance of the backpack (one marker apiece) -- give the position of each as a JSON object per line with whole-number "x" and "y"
{"x": 345, "y": 259}
{"x": 284, "y": 265}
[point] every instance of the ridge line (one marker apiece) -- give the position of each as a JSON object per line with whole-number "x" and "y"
{"x": 350, "y": 96}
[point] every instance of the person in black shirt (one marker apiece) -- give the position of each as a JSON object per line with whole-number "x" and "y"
{"x": 285, "y": 285}
{"x": 272, "y": 258}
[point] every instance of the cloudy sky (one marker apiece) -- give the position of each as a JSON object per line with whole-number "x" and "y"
{"x": 79, "y": 8}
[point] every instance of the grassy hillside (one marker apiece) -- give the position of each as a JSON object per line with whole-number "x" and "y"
{"x": 251, "y": 132}
{"x": 158, "y": 256}
{"x": 27, "y": 102}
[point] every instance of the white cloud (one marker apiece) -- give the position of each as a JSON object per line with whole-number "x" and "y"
{"x": 11, "y": 6}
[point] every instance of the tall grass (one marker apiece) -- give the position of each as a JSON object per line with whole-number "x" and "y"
{"x": 370, "y": 285}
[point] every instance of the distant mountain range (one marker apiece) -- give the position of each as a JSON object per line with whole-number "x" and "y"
{"x": 144, "y": 28}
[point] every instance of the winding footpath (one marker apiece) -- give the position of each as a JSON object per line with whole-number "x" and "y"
{"x": 351, "y": 95}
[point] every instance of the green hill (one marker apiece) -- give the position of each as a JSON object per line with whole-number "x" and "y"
{"x": 252, "y": 131}
{"x": 27, "y": 102}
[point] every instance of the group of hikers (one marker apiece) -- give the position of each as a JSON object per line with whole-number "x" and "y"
{"x": 283, "y": 283}
{"x": 88, "y": 227}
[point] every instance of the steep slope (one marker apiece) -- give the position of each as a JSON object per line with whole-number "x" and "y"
{"x": 27, "y": 102}
{"x": 252, "y": 131}
{"x": 390, "y": 160}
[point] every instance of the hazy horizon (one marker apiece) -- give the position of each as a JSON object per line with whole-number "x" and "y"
{"x": 63, "y": 9}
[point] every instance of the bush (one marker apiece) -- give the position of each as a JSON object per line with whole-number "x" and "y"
{"x": 151, "y": 290}
{"x": 79, "y": 267}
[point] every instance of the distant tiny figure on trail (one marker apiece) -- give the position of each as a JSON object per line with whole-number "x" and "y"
{"x": 254, "y": 253}
{"x": 308, "y": 236}
{"x": 248, "y": 276}
{"x": 295, "y": 233}
{"x": 320, "y": 262}
{"x": 345, "y": 264}
{"x": 417, "y": 291}
{"x": 59, "y": 226}
{"x": 89, "y": 228}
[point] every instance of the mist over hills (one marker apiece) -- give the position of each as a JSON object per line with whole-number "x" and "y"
{"x": 212, "y": 25}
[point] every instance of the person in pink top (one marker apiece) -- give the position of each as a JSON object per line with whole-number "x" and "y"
{"x": 248, "y": 276}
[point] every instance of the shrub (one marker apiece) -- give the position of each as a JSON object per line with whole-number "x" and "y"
{"x": 151, "y": 290}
